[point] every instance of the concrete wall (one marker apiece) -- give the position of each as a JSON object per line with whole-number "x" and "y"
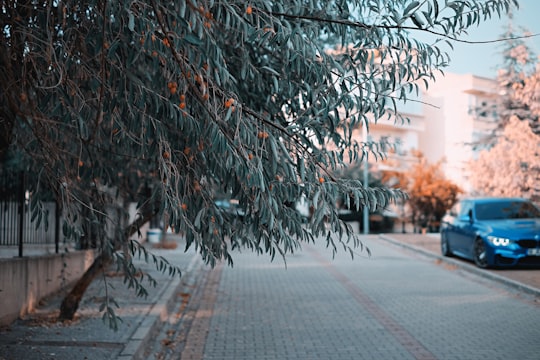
{"x": 24, "y": 281}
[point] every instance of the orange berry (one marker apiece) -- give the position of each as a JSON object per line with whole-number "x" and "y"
{"x": 166, "y": 155}
{"x": 184, "y": 206}
{"x": 166, "y": 42}
{"x": 321, "y": 179}
{"x": 206, "y": 97}
{"x": 182, "y": 105}
{"x": 250, "y": 156}
{"x": 249, "y": 10}
{"x": 182, "y": 97}
{"x": 229, "y": 103}
{"x": 81, "y": 163}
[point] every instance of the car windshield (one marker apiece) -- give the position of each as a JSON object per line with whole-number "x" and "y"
{"x": 506, "y": 210}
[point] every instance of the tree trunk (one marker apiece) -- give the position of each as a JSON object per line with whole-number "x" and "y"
{"x": 70, "y": 303}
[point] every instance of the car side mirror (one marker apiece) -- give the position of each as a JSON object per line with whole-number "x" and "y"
{"x": 469, "y": 214}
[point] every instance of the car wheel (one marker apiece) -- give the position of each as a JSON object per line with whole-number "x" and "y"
{"x": 480, "y": 254}
{"x": 445, "y": 246}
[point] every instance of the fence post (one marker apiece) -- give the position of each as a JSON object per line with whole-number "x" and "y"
{"x": 22, "y": 190}
{"x": 57, "y": 225}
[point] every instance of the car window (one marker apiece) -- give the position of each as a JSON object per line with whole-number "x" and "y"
{"x": 506, "y": 210}
{"x": 465, "y": 207}
{"x": 454, "y": 211}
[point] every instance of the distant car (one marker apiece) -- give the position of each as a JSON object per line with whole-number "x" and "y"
{"x": 493, "y": 232}
{"x": 379, "y": 221}
{"x": 231, "y": 207}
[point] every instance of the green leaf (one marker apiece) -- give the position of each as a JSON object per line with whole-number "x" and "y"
{"x": 411, "y": 7}
{"x": 131, "y": 22}
{"x": 417, "y": 21}
{"x": 193, "y": 40}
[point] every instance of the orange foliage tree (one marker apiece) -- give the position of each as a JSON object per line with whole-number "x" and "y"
{"x": 430, "y": 193}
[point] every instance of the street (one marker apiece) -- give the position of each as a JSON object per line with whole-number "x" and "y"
{"x": 393, "y": 305}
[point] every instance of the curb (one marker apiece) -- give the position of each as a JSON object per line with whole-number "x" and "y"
{"x": 470, "y": 268}
{"x": 156, "y": 313}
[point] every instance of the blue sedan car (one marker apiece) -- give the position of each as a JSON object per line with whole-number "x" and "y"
{"x": 493, "y": 232}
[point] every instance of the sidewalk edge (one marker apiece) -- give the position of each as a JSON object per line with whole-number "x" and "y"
{"x": 158, "y": 311}
{"x": 507, "y": 282}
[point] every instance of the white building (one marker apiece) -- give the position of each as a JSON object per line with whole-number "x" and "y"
{"x": 443, "y": 124}
{"x": 452, "y": 125}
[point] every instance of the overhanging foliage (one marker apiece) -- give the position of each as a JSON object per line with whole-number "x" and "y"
{"x": 172, "y": 102}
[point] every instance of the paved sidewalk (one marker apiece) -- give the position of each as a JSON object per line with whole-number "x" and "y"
{"x": 392, "y": 305}
{"x": 39, "y": 336}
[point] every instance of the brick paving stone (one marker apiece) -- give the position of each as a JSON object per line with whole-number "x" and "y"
{"x": 390, "y": 306}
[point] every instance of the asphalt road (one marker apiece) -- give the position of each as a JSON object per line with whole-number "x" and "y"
{"x": 394, "y": 304}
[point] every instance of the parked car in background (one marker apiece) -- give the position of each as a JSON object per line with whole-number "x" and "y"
{"x": 379, "y": 222}
{"x": 230, "y": 207}
{"x": 493, "y": 232}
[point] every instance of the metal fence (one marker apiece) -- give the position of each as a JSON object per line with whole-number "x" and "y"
{"x": 22, "y": 224}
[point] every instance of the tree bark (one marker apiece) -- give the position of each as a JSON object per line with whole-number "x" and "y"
{"x": 71, "y": 301}
{"x": 70, "y": 304}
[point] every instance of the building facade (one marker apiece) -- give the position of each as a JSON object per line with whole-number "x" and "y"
{"x": 444, "y": 125}
{"x": 454, "y": 123}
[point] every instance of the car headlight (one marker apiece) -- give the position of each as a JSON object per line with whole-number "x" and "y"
{"x": 499, "y": 241}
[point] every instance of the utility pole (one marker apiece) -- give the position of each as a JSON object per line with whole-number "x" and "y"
{"x": 365, "y": 182}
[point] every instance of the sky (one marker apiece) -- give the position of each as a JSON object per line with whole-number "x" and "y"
{"x": 483, "y": 59}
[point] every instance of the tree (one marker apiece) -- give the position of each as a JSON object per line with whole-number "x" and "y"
{"x": 528, "y": 92}
{"x": 169, "y": 103}
{"x": 515, "y": 99}
{"x": 513, "y": 148}
{"x": 431, "y": 195}
{"x": 512, "y": 166}
{"x": 518, "y": 65}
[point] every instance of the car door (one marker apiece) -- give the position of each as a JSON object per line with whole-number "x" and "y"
{"x": 463, "y": 229}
